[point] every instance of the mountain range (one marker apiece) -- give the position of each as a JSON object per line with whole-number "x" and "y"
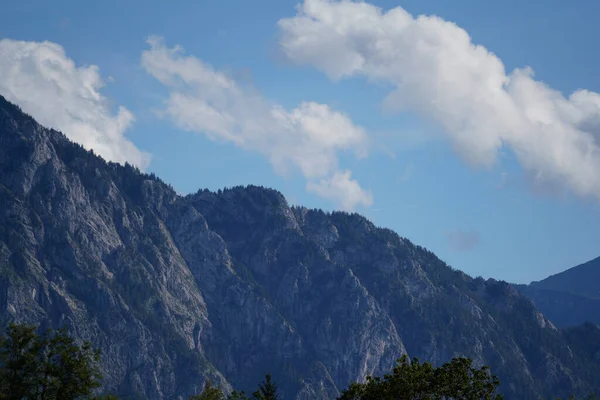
{"x": 569, "y": 298}
{"x": 229, "y": 285}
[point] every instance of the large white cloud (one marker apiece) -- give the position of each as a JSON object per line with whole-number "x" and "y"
{"x": 437, "y": 71}
{"x": 307, "y": 138}
{"x": 46, "y": 83}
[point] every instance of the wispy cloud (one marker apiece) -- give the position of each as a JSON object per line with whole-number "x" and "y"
{"x": 460, "y": 240}
{"x": 307, "y": 138}
{"x": 437, "y": 71}
{"x": 46, "y": 83}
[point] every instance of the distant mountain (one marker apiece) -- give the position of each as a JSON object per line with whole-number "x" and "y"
{"x": 562, "y": 308}
{"x": 569, "y": 298}
{"x": 582, "y": 280}
{"x": 230, "y": 285}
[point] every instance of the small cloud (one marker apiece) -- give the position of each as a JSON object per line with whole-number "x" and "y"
{"x": 462, "y": 241}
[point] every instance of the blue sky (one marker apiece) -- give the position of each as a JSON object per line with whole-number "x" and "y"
{"x": 508, "y": 211}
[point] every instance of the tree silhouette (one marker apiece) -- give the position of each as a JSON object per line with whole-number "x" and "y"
{"x": 410, "y": 380}
{"x": 267, "y": 390}
{"x": 47, "y": 367}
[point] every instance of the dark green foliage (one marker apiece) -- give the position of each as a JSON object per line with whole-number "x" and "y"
{"x": 235, "y": 395}
{"x": 19, "y": 365}
{"x": 267, "y": 390}
{"x": 210, "y": 392}
{"x": 214, "y": 393}
{"x": 46, "y": 367}
{"x": 411, "y": 380}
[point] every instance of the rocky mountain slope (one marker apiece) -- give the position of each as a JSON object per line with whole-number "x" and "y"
{"x": 227, "y": 286}
{"x": 568, "y": 298}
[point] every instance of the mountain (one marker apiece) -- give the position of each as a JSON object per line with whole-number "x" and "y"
{"x": 230, "y": 285}
{"x": 582, "y": 280}
{"x": 568, "y": 298}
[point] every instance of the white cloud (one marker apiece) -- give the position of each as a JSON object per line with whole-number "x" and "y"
{"x": 342, "y": 188}
{"x": 204, "y": 100}
{"x": 438, "y": 72}
{"x": 46, "y": 83}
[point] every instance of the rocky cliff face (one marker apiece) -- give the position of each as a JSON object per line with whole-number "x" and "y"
{"x": 228, "y": 286}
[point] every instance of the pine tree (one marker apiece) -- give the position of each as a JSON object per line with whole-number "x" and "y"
{"x": 267, "y": 390}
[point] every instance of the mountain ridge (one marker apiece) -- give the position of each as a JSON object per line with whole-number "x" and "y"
{"x": 232, "y": 284}
{"x": 568, "y": 298}
{"x": 580, "y": 280}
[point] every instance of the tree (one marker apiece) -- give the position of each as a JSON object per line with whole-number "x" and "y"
{"x": 210, "y": 392}
{"x": 19, "y": 366}
{"x": 409, "y": 380}
{"x": 459, "y": 380}
{"x": 235, "y": 395}
{"x": 48, "y": 367}
{"x": 267, "y": 390}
